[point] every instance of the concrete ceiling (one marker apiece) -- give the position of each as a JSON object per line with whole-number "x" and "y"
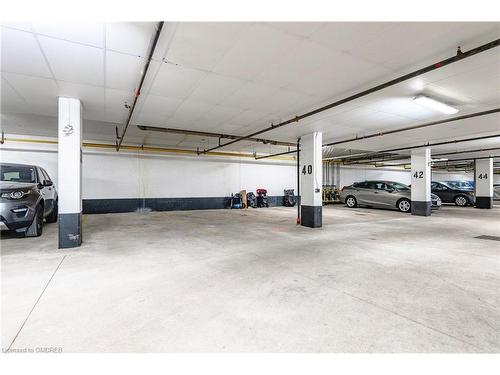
{"x": 239, "y": 77}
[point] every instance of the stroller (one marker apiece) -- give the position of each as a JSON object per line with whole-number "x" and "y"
{"x": 236, "y": 201}
{"x": 251, "y": 200}
{"x": 289, "y": 199}
{"x": 262, "y": 198}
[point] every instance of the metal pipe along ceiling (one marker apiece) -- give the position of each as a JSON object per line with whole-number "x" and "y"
{"x": 142, "y": 148}
{"x": 414, "y": 127}
{"x": 401, "y": 157}
{"x": 446, "y": 163}
{"x": 278, "y": 154}
{"x": 458, "y": 57}
{"x": 420, "y": 146}
{"x": 119, "y": 139}
{"x": 208, "y": 134}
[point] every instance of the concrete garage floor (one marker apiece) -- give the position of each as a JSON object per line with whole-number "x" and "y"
{"x": 250, "y": 280}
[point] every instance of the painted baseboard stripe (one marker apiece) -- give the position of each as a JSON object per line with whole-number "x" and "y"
{"x": 106, "y": 206}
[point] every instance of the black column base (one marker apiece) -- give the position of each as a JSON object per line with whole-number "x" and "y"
{"x": 484, "y": 202}
{"x": 70, "y": 230}
{"x": 311, "y": 216}
{"x": 421, "y": 208}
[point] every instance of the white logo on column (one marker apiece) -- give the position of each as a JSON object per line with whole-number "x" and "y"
{"x": 68, "y": 129}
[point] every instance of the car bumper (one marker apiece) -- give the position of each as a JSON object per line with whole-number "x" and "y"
{"x": 16, "y": 214}
{"x": 435, "y": 204}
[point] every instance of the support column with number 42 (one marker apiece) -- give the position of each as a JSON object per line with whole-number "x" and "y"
{"x": 421, "y": 182}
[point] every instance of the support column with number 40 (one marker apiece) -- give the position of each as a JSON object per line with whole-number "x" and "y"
{"x": 311, "y": 180}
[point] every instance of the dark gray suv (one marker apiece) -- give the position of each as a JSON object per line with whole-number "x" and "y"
{"x": 27, "y": 197}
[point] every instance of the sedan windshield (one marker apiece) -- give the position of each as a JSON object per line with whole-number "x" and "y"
{"x": 398, "y": 186}
{"x": 14, "y": 173}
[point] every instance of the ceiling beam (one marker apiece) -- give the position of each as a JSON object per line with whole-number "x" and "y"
{"x": 458, "y": 57}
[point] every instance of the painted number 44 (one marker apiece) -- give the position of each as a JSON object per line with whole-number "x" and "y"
{"x": 483, "y": 176}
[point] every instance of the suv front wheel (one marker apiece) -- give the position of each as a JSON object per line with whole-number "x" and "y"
{"x": 36, "y": 227}
{"x": 52, "y": 218}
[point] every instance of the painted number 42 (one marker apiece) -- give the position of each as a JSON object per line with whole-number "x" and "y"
{"x": 418, "y": 174}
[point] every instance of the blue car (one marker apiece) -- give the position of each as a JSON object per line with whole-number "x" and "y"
{"x": 451, "y": 193}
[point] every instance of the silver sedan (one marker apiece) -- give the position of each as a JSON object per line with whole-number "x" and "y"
{"x": 384, "y": 194}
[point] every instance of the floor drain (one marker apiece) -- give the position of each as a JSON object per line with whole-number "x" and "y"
{"x": 486, "y": 237}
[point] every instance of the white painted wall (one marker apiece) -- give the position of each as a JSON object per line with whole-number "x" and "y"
{"x": 111, "y": 175}
{"x": 107, "y": 174}
{"x": 351, "y": 174}
{"x": 446, "y": 176}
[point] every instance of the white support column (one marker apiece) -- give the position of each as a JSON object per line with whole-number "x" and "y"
{"x": 311, "y": 180}
{"x": 70, "y": 172}
{"x": 421, "y": 182}
{"x": 483, "y": 182}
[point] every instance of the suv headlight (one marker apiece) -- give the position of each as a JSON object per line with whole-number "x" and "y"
{"x": 16, "y": 194}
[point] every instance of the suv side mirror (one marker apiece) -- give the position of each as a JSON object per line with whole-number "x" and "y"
{"x": 47, "y": 183}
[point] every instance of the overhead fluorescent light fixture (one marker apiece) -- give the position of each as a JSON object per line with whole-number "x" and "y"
{"x": 434, "y": 104}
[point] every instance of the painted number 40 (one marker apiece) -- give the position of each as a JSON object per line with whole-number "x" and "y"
{"x": 483, "y": 176}
{"x": 418, "y": 174}
{"x": 309, "y": 169}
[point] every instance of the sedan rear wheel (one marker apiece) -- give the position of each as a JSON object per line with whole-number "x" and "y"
{"x": 404, "y": 205}
{"x": 351, "y": 202}
{"x": 461, "y": 201}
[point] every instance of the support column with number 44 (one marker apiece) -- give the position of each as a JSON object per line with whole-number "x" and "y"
{"x": 483, "y": 182}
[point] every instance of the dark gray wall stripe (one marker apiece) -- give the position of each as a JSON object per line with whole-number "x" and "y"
{"x": 105, "y": 206}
